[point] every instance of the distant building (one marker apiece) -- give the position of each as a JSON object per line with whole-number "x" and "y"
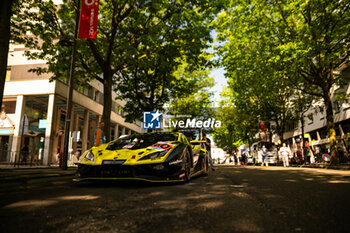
{"x": 315, "y": 122}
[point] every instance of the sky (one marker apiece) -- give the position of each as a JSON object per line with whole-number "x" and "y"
{"x": 220, "y": 82}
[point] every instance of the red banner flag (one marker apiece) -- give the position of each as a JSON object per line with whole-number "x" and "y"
{"x": 262, "y": 125}
{"x": 88, "y": 19}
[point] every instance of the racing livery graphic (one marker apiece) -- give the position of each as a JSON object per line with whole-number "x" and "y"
{"x": 154, "y": 157}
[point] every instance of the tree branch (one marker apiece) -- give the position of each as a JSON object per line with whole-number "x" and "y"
{"x": 96, "y": 54}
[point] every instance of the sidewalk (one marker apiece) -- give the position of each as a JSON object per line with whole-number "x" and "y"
{"x": 342, "y": 166}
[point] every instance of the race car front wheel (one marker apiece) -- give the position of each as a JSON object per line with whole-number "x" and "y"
{"x": 187, "y": 163}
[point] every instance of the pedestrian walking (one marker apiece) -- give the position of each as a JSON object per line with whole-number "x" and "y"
{"x": 284, "y": 153}
{"x": 264, "y": 156}
{"x": 25, "y": 153}
{"x": 207, "y": 145}
{"x": 99, "y": 138}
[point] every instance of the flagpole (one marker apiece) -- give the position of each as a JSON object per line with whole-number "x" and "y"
{"x": 70, "y": 92}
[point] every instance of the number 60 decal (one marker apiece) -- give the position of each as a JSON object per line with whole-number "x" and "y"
{"x": 162, "y": 146}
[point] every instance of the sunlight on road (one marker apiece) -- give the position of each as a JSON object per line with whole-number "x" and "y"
{"x": 51, "y": 201}
{"x": 211, "y": 204}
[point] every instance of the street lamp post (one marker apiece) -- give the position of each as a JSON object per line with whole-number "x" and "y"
{"x": 70, "y": 93}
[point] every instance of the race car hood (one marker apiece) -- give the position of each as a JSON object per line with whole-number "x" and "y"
{"x": 155, "y": 153}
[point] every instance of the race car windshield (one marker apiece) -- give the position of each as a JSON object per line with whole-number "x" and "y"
{"x": 141, "y": 141}
{"x": 191, "y": 134}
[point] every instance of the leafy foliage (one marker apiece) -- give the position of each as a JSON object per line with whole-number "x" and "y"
{"x": 191, "y": 94}
{"x": 284, "y": 45}
{"x": 237, "y": 126}
{"x": 138, "y": 47}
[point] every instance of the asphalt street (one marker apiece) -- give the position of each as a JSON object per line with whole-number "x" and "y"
{"x": 231, "y": 199}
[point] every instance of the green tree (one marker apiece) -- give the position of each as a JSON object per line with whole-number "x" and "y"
{"x": 306, "y": 41}
{"x": 258, "y": 85}
{"x": 136, "y": 49}
{"x": 191, "y": 94}
{"x": 5, "y": 32}
{"x": 238, "y": 127}
{"x": 13, "y": 23}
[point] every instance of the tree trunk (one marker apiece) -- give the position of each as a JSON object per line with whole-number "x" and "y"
{"x": 5, "y": 17}
{"x": 107, "y": 103}
{"x": 302, "y": 135}
{"x": 331, "y": 126}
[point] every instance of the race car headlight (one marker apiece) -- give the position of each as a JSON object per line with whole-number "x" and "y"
{"x": 154, "y": 155}
{"x": 89, "y": 156}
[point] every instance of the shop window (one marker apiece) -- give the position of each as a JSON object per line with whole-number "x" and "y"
{"x": 9, "y": 105}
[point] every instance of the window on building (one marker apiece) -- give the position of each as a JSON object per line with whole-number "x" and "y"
{"x": 80, "y": 90}
{"x": 296, "y": 125}
{"x": 321, "y": 111}
{"x": 336, "y": 106}
{"x": 120, "y": 130}
{"x": 346, "y": 104}
{"x": 9, "y": 105}
{"x": 119, "y": 109}
{"x": 310, "y": 119}
{"x": 112, "y": 131}
{"x": 100, "y": 100}
{"x": 90, "y": 93}
{"x": 96, "y": 95}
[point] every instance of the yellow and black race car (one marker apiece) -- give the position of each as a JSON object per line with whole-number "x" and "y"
{"x": 155, "y": 157}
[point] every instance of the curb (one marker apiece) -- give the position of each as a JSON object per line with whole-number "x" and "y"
{"x": 333, "y": 167}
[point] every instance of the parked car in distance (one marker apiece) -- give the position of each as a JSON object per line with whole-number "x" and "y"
{"x": 256, "y": 153}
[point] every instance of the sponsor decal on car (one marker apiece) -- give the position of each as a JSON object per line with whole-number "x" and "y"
{"x": 175, "y": 162}
{"x": 161, "y": 146}
{"x": 114, "y": 162}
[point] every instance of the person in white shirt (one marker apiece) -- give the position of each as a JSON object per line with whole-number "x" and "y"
{"x": 284, "y": 153}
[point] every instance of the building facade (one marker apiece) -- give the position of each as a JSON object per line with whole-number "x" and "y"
{"x": 34, "y": 110}
{"x": 315, "y": 122}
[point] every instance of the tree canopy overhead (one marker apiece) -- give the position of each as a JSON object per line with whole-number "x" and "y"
{"x": 138, "y": 47}
{"x": 299, "y": 42}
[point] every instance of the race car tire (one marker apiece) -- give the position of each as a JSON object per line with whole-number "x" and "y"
{"x": 187, "y": 163}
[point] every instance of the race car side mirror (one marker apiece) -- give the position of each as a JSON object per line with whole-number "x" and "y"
{"x": 197, "y": 141}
